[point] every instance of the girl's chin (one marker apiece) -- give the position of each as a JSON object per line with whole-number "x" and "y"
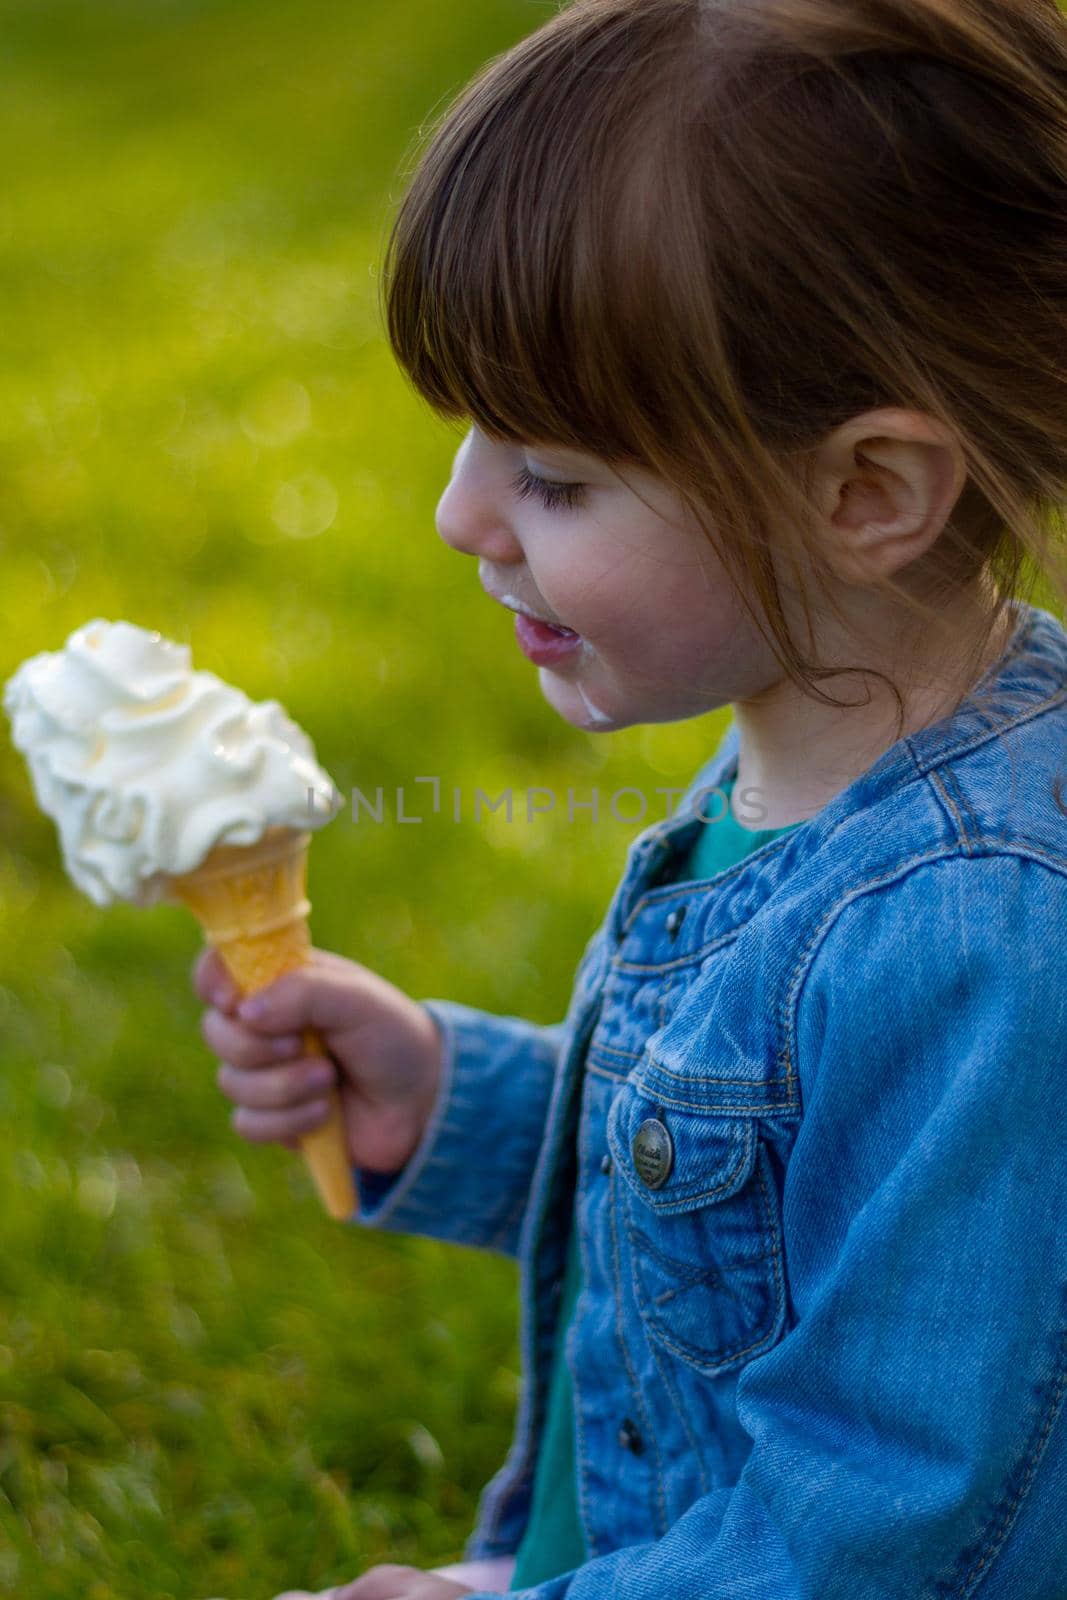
{"x": 574, "y": 702}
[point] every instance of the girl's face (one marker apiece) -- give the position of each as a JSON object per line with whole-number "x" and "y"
{"x": 618, "y": 560}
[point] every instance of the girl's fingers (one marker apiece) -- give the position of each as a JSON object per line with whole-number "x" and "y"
{"x": 277, "y": 1088}
{"x": 305, "y": 1594}
{"x": 212, "y": 982}
{"x": 231, "y": 1041}
{"x": 275, "y": 1127}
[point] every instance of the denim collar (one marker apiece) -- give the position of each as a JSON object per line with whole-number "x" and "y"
{"x": 1029, "y": 675}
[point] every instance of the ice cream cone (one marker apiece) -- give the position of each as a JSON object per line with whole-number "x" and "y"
{"x": 251, "y": 904}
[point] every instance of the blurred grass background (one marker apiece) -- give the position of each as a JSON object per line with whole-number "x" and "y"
{"x": 205, "y": 1387}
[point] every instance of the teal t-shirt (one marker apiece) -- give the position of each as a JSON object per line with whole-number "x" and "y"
{"x": 553, "y": 1542}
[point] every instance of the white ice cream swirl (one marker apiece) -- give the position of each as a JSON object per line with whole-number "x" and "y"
{"x": 145, "y": 764}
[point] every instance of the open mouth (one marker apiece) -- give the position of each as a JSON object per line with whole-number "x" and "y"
{"x": 553, "y": 627}
{"x": 544, "y": 642}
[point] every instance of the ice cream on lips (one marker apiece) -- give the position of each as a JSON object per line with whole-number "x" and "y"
{"x": 146, "y": 765}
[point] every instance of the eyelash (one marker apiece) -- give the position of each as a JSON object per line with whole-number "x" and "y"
{"x": 553, "y": 496}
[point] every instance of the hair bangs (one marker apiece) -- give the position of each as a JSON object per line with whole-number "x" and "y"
{"x": 512, "y": 254}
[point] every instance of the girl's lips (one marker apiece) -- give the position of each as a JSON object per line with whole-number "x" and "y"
{"x": 543, "y": 642}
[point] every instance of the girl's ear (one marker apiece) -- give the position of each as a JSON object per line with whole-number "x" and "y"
{"x": 886, "y": 484}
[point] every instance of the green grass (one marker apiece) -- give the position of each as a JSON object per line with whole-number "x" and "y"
{"x": 205, "y": 1387}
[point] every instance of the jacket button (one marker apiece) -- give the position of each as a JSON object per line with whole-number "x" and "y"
{"x": 674, "y": 920}
{"x": 605, "y": 1164}
{"x": 629, "y": 1437}
{"x": 653, "y": 1152}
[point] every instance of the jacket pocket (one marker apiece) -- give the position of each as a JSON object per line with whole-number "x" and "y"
{"x": 706, "y": 1244}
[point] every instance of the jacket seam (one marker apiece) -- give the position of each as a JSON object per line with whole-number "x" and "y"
{"x": 585, "y": 1512}
{"x": 716, "y": 1361}
{"x": 1002, "y": 726}
{"x": 504, "y": 1239}
{"x": 718, "y": 879}
{"x": 724, "y": 1106}
{"x": 698, "y": 955}
{"x": 602, "y": 1070}
{"x": 939, "y": 782}
{"x": 615, "y": 1201}
{"x": 614, "y": 1050}
{"x": 998, "y": 1533}
{"x": 791, "y": 998}
{"x": 662, "y": 1362}
{"x": 513, "y": 1479}
{"x": 744, "y": 1160}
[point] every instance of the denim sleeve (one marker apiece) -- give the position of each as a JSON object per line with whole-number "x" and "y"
{"x": 469, "y": 1177}
{"x": 901, "y": 1428}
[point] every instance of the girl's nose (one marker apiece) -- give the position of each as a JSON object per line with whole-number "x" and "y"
{"x": 471, "y": 524}
{"x": 471, "y": 514}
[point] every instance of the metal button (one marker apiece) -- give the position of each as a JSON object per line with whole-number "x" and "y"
{"x": 605, "y": 1164}
{"x": 653, "y": 1151}
{"x": 674, "y": 920}
{"x": 629, "y": 1437}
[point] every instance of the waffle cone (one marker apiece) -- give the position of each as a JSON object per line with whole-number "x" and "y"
{"x": 250, "y": 902}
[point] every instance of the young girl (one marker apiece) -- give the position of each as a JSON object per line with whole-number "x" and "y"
{"x": 756, "y": 311}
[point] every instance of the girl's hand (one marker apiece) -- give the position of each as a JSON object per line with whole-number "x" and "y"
{"x": 389, "y": 1583}
{"x": 384, "y": 1050}
{"x": 400, "y": 1583}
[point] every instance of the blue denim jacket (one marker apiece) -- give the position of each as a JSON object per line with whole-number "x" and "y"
{"x": 827, "y": 1355}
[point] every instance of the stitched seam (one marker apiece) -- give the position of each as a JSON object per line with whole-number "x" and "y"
{"x": 502, "y": 1239}
{"x": 694, "y": 1277}
{"x": 583, "y": 1473}
{"x": 708, "y": 1194}
{"x": 635, "y": 1389}
{"x": 1002, "y": 727}
{"x": 942, "y": 758}
{"x": 718, "y": 1360}
{"x": 950, "y": 777}
{"x": 691, "y": 1077}
{"x": 1007, "y": 1516}
{"x": 938, "y": 783}
{"x": 724, "y": 1107}
{"x": 1020, "y": 640}
{"x": 615, "y": 1050}
{"x": 514, "y": 1477}
{"x": 687, "y": 1077}
{"x": 775, "y": 1235}
{"x": 605, "y": 1072}
{"x": 659, "y": 1360}
{"x": 808, "y": 949}
{"x": 1011, "y": 848}
{"x": 786, "y": 1020}
{"x": 765, "y": 851}
{"x": 586, "y": 1519}
{"x": 787, "y": 1014}
{"x": 707, "y": 1360}
{"x": 922, "y": 773}
{"x": 692, "y": 959}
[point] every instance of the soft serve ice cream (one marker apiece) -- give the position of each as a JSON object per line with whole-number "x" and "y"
{"x": 145, "y": 764}
{"x": 168, "y": 784}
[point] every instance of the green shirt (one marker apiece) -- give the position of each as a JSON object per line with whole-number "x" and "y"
{"x": 552, "y": 1542}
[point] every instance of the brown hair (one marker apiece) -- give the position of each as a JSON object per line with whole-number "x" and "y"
{"x": 698, "y": 235}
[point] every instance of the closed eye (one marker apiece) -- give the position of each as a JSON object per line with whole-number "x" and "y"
{"x": 553, "y": 496}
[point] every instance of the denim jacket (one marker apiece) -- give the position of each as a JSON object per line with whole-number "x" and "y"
{"x": 821, "y": 1350}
